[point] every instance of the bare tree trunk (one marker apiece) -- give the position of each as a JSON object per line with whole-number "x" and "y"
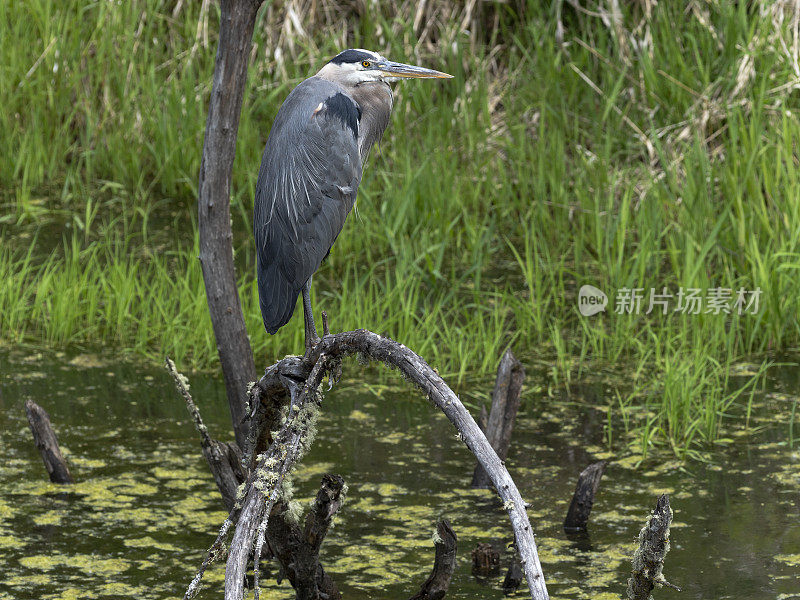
{"x": 46, "y": 442}
{"x": 505, "y": 403}
{"x": 237, "y": 21}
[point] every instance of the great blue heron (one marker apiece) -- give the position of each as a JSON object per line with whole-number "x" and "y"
{"x": 310, "y": 173}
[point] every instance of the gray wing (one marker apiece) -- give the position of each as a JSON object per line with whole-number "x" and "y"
{"x": 306, "y": 187}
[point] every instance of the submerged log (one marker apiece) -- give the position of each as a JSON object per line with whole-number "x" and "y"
{"x": 505, "y": 403}
{"x": 648, "y": 560}
{"x": 444, "y": 563}
{"x": 583, "y": 499}
{"x": 47, "y": 443}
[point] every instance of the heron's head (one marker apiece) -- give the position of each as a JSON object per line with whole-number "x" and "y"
{"x": 354, "y": 67}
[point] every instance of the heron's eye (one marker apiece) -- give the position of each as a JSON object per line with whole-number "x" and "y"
{"x": 366, "y": 64}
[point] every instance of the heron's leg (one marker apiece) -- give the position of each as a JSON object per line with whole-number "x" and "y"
{"x": 311, "y": 330}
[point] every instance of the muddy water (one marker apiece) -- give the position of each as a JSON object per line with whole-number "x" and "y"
{"x": 145, "y": 508}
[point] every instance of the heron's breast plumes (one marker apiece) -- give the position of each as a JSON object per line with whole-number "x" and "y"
{"x": 375, "y": 101}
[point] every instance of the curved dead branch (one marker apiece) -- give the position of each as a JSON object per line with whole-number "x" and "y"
{"x": 301, "y": 377}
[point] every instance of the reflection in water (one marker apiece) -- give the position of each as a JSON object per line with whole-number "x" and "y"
{"x": 145, "y": 507}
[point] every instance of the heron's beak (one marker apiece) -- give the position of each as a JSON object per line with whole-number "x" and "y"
{"x": 401, "y": 71}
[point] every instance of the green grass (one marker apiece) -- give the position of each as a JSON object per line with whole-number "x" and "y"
{"x": 491, "y": 200}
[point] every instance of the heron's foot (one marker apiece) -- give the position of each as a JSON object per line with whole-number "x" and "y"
{"x": 312, "y": 339}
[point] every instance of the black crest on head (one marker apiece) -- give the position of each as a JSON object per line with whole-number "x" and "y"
{"x": 351, "y": 56}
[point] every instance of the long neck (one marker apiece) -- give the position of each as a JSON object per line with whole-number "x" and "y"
{"x": 375, "y": 100}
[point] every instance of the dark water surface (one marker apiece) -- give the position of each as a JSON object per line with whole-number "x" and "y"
{"x": 145, "y": 507}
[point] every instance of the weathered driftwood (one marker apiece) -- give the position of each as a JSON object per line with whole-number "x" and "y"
{"x": 648, "y": 559}
{"x": 263, "y": 488}
{"x": 299, "y": 548}
{"x": 505, "y": 403}
{"x": 513, "y": 577}
{"x": 237, "y": 20}
{"x": 485, "y": 559}
{"x": 47, "y": 443}
{"x": 444, "y": 563}
{"x": 250, "y": 513}
{"x": 583, "y": 499}
{"x": 224, "y": 459}
{"x": 309, "y": 370}
{"x": 228, "y": 467}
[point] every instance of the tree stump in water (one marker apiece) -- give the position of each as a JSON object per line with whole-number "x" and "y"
{"x": 648, "y": 560}
{"x": 485, "y": 559}
{"x": 444, "y": 563}
{"x": 298, "y": 546}
{"x": 513, "y": 578}
{"x": 505, "y": 403}
{"x": 47, "y": 443}
{"x": 583, "y": 499}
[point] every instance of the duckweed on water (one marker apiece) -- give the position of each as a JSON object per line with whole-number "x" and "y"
{"x": 145, "y": 513}
{"x": 88, "y": 564}
{"x": 149, "y": 542}
{"x": 54, "y": 517}
{"x": 357, "y": 415}
{"x": 88, "y": 361}
{"x": 793, "y": 560}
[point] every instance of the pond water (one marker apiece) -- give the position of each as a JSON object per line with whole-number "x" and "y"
{"x": 145, "y": 508}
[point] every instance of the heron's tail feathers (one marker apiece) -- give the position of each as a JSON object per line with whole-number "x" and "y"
{"x": 277, "y": 298}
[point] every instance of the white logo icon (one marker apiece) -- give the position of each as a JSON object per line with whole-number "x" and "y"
{"x": 591, "y": 300}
